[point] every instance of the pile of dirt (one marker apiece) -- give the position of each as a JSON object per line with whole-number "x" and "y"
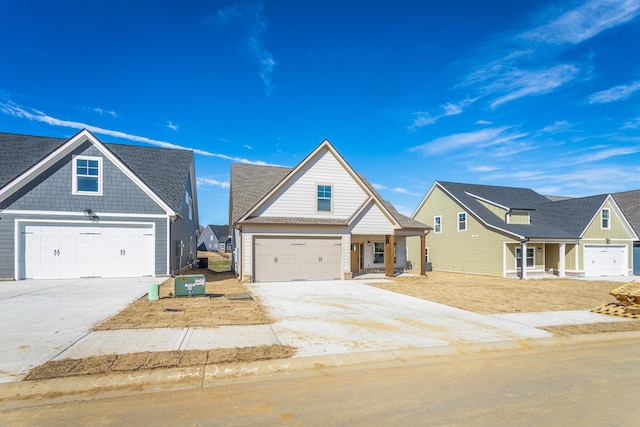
{"x": 112, "y": 363}
{"x": 213, "y": 309}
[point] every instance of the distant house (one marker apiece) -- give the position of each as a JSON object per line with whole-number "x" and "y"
{"x": 79, "y": 207}
{"x": 317, "y": 221}
{"x": 495, "y": 230}
{"x": 215, "y": 238}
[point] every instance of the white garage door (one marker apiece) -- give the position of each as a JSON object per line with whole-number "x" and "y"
{"x": 605, "y": 260}
{"x": 60, "y": 251}
{"x": 285, "y": 259}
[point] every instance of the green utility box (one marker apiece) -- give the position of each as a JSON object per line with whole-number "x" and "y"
{"x": 189, "y": 285}
{"x": 154, "y": 292}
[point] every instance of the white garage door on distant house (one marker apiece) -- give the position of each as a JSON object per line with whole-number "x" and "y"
{"x": 73, "y": 250}
{"x": 605, "y": 260}
{"x": 283, "y": 259}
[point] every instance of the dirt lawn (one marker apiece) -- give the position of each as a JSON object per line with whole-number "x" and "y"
{"x": 488, "y": 295}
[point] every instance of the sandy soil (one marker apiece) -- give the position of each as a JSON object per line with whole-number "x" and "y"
{"x": 485, "y": 294}
{"x": 152, "y": 360}
{"x": 213, "y": 309}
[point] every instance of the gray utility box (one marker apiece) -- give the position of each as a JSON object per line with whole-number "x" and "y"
{"x": 189, "y": 285}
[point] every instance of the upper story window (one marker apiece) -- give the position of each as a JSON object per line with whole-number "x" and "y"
{"x": 605, "y": 219}
{"x": 324, "y": 198}
{"x": 462, "y": 221}
{"x": 437, "y": 224}
{"x": 87, "y": 175}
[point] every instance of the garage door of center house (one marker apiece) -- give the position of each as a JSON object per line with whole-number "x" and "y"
{"x": 283, "y": 259}
{"x": 605, "y": 260}
{"x": 64, "y": 251}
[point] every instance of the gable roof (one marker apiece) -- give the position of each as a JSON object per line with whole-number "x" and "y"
{"x": 220, "y": 231}
{"x": 629, "y": 203}
{"x": 164, "y": 171}
{"x": 563, "y": 219}
{"x": 251, "y": 185}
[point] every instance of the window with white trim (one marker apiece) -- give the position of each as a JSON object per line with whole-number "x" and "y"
{"x": 378, "y": 253}
{"x": 462, "y": 221}
{"x": 87, "y": 175}
{"x": 531, "y": 261}
{"x": 437, "y": 224}
{"x": 324, "y": 198}
{"x": 605, "y": 219}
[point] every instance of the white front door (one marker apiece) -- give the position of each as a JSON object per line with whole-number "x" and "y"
{"x": 61, "y": 250}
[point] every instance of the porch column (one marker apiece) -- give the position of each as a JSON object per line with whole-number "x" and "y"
{"x": 423, "y": 261}
{"x": 561, "y": 270}
{"x": 388, "y": 256}
{"x": 523, "y": 259}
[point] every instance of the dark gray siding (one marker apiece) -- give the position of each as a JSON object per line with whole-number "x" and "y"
{"x": 52, "y": 191}
{"x": 7, "y": 238}
{"x": 184, "y": 229}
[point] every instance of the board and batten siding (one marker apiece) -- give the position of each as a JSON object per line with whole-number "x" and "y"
{"x": 476, "y": 250}
{"x": 615, "y": 235}
{"x": 298, "y": 197}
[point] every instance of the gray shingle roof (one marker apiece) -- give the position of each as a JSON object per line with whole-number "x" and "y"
{"x": 629, "y": 203}
{"x": 220, "y": 231}
{"x": 251, "y": 183}
{"x": 565, "y": 219}
{"x": 164, "y": 170}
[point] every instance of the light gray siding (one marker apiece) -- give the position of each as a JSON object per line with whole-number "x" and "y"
{"x": 184, "y": 229}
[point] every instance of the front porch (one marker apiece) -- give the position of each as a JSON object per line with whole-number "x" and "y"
{"x": 541, "y": 259}
{"x": 381, "y": 254}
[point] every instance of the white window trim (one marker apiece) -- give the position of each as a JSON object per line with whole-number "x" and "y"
{"x": 317, "y": 198}
{"x": 465, "y": 221}
{"x": 528, "y": 249}
{"x": 608, "y": 227}
{"x": 74, "y": 184}
{"x": 435, "y": 230}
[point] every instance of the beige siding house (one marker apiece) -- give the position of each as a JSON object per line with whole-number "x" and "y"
{"x": 317, "y": 221}
{"x": 488, "y": 230}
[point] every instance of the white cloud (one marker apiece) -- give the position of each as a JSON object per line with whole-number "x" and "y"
{"x": 617, "y": 93}
{"x": 483, "y": 122}
{"x": 483, "y": 169}
{"x": 632, "y": 124}
{"x": 519, "y": 83}
{"x": 558, "y": 126}
{"x": 401, "y": 190}
{"x": 584, "y": 22}
{"x": 378, "y": 186}
{"x": 38, "y": 116}
{"x": 449, "y": 109}
{"x": 478, "y": 139}
{"x": 172, "y": 126}
{"x": 248, "y": 147}
{"x": 210, "y": 182}
{"x": 250, "y": 16}
{"x": 106, "y": 112}
{"x": 603, "y": 155}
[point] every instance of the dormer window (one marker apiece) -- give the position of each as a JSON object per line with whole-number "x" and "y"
{"x": 605, "y": 219}
{"x": 324, "y": 198}
{"x": 87, "y": 175}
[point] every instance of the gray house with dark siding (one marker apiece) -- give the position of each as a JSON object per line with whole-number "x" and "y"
{"x": 79, "y": 207}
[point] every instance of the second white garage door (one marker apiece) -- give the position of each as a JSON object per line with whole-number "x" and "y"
{"x": 283, "y": 259}
{"x": 67, "y": 250}
{"x": 605, "y": 260}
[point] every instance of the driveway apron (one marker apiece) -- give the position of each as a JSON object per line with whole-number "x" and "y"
{"x": 332, "y": 317}
{"x": 41, "y": 318}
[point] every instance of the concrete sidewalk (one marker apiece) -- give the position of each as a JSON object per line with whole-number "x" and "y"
{"x": 331, "y": 318}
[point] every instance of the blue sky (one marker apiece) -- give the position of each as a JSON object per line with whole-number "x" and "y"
{"x": 537, "y": 94}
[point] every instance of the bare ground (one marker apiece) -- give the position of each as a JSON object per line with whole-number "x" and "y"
{"x": 480, "y": 294}
{"x": 488, "y": 295}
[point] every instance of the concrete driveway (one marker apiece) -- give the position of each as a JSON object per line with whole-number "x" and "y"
{"x": 41, "y": 318}
{"x": 333, "y": 317}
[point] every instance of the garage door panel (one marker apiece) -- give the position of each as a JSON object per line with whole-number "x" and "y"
{"x": 295, "y": 258}
{"x": 87, "y": 250}
{"x": 605, "y": 260}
